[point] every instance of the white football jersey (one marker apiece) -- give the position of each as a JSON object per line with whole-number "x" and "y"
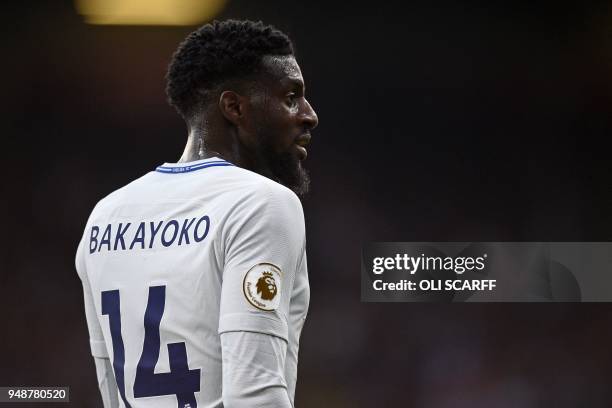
{"x": 179, "y": 256}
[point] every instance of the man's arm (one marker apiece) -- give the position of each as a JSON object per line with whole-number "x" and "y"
{"x": 263, "y": 247}
{"x": 107, "y": 383}
{"x": 253, "y": 370}
{"x": 104, "y": 371}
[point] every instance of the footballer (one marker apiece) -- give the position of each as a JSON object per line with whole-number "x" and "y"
{"x": 194, "y": 275}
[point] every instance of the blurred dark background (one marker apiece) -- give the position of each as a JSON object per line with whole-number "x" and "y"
{"x": 439, "y": 121}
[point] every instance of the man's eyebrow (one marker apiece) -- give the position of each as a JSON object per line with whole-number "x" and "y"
{"x": 296, "y": 82}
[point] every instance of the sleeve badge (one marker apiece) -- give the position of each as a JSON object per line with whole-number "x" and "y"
{"x": 262, "y": 286}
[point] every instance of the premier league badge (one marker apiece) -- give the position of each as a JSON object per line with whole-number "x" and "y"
{"x": 262, "y": 286}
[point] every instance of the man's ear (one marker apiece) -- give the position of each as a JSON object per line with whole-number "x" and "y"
{"x": 232, "y": 106}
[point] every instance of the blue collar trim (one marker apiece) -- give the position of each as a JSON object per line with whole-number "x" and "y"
{"x": 186, "y": 169}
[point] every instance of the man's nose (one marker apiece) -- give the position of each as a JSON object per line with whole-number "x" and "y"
{"x": 309, "y": 116}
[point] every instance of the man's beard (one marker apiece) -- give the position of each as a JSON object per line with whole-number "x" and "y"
{"x": 286, "y": 169}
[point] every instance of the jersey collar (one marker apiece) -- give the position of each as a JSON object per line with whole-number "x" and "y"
{"x": 173, "y": 168}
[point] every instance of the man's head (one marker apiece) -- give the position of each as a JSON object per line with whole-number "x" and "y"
{"x": 241, "y": 79}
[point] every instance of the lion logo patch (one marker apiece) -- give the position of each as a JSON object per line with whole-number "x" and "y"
{"x": 262, "y": 286}
{"x": 266, "y": 286}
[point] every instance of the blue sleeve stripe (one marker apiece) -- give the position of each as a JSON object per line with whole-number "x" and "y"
{"x": 186, "y": 169}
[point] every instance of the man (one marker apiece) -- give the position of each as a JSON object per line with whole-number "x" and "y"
{"x": 195, "y": 279}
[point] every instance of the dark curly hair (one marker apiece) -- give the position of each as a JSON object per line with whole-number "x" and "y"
{"x": 218, "y": 52}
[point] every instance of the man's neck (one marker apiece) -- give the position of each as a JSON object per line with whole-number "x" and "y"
{"x": 202, "y": 145}
{"x": 197, "y": 148}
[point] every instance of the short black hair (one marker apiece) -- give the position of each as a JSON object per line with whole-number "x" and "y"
{"x": 217, "y": 52}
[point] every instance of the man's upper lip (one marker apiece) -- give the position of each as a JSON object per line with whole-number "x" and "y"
{"x": 303, "y": 140}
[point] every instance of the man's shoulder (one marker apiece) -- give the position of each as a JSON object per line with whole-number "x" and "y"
{"x": 264, "y": 210}
{"x": 254, "y": 195}
{"x": 116, "y": 196}
{"x": 257, "y": 187}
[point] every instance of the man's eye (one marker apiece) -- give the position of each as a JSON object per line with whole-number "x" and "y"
{"x": 292, "y": 99}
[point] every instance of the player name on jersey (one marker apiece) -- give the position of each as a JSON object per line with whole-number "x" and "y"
{"x": 148, "y": 234}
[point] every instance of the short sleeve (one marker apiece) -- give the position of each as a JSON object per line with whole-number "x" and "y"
{"x": 263, "y": 247}
{"x": 96, "y": 338}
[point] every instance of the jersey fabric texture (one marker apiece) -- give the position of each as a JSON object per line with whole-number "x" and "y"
{"x": 178, "y": 257}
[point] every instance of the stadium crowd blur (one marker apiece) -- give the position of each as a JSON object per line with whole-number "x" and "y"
{"x": 437, "y": 123}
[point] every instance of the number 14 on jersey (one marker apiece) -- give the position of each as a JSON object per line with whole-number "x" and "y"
{"x": 180, "y": 381}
